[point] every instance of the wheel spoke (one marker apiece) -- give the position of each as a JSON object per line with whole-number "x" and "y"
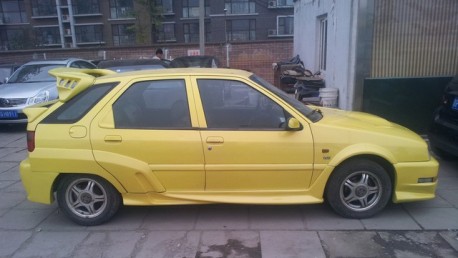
{"x": 90, "y": 186}
{"x": 373, "y": 190}
{"x": 364, "y": 179}
{"x": 98, "y": 198}
{"x": 90, "y": 208}
{"x": 350, "y": 198}
{"x": 76, "y": 190}
{"x": 76, "y": 204}
{"x": 364, "y": 202}
{"x": 351, "y": 185}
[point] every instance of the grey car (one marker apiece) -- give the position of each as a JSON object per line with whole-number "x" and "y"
{"x": 31, "y": 84}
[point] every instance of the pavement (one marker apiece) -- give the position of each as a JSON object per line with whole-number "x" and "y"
{"x": 421, "y": 229}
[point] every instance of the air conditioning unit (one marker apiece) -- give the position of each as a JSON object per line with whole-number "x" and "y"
{"x": 272, "y": 3}
{"x": 272, "y": 32}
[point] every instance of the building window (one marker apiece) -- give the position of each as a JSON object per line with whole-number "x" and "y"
{"x": 89, "y": 34}
{"x": 165, "y": 5}
{"x": 14, "y": 39}
{"x": 165, "y": 32}
{"x": 322, "y": 41}
{"x": 123, "y": 34}
{"x": 191, "y": 8}
{"x": 86, "y": 6}
{"x": 241, "y": 30}
{"x": 285, "y": 25}
{"x": 13, "y": 12}
{"x": 191, "y": 32}
{"x": 47, "y": 36}
{"x": 44, "y": 8}
{"x": 121, "y": 9}
{"x": 240, "y": 6}
{"x": 285, "y": 3}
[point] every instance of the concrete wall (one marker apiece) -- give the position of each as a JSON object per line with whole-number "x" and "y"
{"x": 256, "y": 57}
{"x": 340, "y": 43}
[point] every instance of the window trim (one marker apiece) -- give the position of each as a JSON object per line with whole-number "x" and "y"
{"x": 322, "y": 41}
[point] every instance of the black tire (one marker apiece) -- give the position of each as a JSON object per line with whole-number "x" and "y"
{"x": 87, "y": 200}
{"x": 359, "y": 189}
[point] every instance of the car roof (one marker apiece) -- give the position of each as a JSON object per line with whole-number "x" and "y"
{"x": 178, "y": 72}
{"x": 54, "y": 61}
{"x": 130, "y": 62}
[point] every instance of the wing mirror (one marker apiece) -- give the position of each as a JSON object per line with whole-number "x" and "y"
{"x": 6, "y": 79}
{"x": 293, "y": 124}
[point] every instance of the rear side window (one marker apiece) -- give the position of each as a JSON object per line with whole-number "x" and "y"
{"x": 77, "y": 107}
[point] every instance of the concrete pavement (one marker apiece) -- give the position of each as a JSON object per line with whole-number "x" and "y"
{"x": 422, "y": 229}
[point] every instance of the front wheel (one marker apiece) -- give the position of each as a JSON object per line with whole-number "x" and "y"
{"x": 87, "y": 200}
{"x": 358, "y": 189}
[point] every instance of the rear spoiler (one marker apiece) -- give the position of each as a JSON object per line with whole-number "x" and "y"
{"x": 72, "y": 81}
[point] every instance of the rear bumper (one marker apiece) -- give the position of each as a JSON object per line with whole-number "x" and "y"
{"x": 408, "y": 187}
{"x": 37, "y": 185}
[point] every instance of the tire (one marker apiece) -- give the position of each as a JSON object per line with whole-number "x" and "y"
{"x": 87, "y": 200}
{"x": 359, "y": 189}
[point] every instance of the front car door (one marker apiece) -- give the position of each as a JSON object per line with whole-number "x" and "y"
{"x": 245, "y": 141}
{"x": 145, "y": 135}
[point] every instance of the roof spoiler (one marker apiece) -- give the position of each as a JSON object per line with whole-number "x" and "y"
{"x": 72, "y": 81}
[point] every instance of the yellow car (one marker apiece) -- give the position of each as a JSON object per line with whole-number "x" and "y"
{"x": 195, "y": 136}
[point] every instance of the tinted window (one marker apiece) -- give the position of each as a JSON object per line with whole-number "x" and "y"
{"x": 77, "y": 107}
{"x": 153, "y": 105}
{"x": 235, "y": 105}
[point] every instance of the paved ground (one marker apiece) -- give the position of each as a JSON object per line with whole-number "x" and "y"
{"x": 424, "y": 229}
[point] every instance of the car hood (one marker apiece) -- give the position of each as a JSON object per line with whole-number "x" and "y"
{"x": 347, "y": 128}
{"x": 25, "y": 90}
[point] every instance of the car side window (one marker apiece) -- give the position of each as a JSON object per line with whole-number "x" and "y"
{"x": 153, "y": 105}
{"x": 82, "y": 64}
{"x": 235, "y": 105}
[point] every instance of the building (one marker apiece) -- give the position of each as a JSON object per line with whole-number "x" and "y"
{"x": 388, "y": 57}
{"x": 32, "y": 24}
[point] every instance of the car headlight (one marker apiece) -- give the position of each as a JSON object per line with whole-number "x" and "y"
{"x": 43, "y": 96}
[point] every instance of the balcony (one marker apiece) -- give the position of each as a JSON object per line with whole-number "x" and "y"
{"x": 273, "y": 4}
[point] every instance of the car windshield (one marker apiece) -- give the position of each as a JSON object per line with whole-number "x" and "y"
{"x": 313, "y": 114}
{"x": 34, "y": 73}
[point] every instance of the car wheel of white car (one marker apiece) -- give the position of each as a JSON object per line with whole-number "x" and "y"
{"x": 87, "y": 200}
{"x": 358, "y": 189}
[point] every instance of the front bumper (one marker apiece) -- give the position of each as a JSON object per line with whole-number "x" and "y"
{"x": 408, "y": 188}
{"x": 37, "y": 185}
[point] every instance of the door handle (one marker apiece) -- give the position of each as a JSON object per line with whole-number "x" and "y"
{"x": 113, "y": 138}
{"x": 215, "y": 139}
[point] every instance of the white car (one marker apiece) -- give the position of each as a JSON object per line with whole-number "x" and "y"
{"x": 31, "y": 84}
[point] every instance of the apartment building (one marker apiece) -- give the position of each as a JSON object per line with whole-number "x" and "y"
{"x": 29, "y": 24}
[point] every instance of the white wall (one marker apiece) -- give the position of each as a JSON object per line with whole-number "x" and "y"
{"x": 340, "y": 45}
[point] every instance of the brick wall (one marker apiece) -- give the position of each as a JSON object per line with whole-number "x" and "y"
{"x": 256, "y": 57}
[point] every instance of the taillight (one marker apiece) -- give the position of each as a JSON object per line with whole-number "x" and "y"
{"x": 30, "y": 141}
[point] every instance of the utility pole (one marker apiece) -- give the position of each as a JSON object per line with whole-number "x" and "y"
{"x": 202, "y": 27}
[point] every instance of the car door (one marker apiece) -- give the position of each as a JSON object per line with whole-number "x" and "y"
{"x": 146, "y": 134}
{"x": 245, "y": 141}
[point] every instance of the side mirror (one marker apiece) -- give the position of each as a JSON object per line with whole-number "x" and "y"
{"x": 6, "y": 79}
{"x": 293, "y": 125}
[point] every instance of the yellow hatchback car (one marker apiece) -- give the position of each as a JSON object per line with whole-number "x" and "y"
{"x": 196, "y": 136}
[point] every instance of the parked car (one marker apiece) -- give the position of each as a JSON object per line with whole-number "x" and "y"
{"x": 195, "y": 62}
{"x": 444, "y": 131}
{"x": 6, "y": 70}
{"x": 194, "y": 136}
{"x": 31, "y": 84}
{"x": 128, "y": 65}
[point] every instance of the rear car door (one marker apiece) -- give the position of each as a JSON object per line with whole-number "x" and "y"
{"x": 146, "y": 134}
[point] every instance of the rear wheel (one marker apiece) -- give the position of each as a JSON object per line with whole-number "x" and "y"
{"x": 87, "y": 200}
{"x": 359, "y": 189}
